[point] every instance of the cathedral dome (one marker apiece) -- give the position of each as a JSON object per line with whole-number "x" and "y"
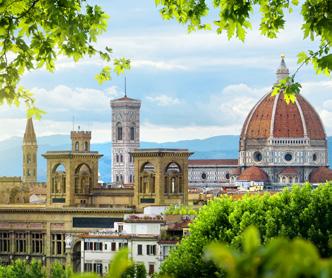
{"x": 253, "y": 173}
{"x": 321, "y": 174}
{"x": 273, "y": 117}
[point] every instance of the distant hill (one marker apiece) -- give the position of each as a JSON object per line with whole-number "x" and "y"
{"x": 224, "y": 146}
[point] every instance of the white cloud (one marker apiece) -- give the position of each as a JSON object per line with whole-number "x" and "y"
{"x": 157, "y": 133}
{"x": 160, "y": 65}
{"x": 163, "y": 100}
{"x": 65, "y": 99}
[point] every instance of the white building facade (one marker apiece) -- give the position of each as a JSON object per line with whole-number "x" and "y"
{"x": 139, "y": 232}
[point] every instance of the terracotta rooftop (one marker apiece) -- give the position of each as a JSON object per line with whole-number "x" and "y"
{"x": 321, "y": 174}
{"x": 233, "y": 162}
{"x": 289, "y": 171}
{"x": 273, "y": 117}
{"x": 253, "y": 173}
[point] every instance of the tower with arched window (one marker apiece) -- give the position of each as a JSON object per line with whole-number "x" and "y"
{"x": 125, "y": 138}
{"x": 162, "y": 177}
{"x": 80, "y": 141}
{"x": 72, "y": 175}
{"x": 29, "y": 154}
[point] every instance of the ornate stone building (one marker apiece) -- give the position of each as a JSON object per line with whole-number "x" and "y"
{"x": 77, "y": 204}
{"x": 72, "y": 175}
{"x": 161, "y": 177}
{"x": 125, "y": 138}
{"x": 211, "y": 172}
{"x": 286, "y": 141}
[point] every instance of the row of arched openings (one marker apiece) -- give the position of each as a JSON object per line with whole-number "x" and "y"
{"x": 82, "y": 179}
{"x": 173, "y": 179}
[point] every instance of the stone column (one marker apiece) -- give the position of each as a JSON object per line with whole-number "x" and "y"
{"x": 69, "y": 251}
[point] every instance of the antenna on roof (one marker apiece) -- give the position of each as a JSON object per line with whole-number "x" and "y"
{"x": 125, "y": 86}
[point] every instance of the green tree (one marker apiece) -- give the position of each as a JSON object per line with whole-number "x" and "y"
{"x": 299, "y": 212}
{"x": 33, "y": 33}
{"x": 181, "y": 209}
{"x": 234, "y": 19}
{"x": 279, "y": 258}
{"x": 136, "y": 270}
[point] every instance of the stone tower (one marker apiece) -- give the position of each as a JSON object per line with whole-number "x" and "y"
{"x": 161, "y": 177}
{"x": 125, "y": 137}
{"x": 80, "y": 141}
{"x": 29, "y": 153}
{"x": 72, "y": 175}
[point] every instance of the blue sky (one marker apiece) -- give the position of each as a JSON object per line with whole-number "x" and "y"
{"x": 191, "y": 85}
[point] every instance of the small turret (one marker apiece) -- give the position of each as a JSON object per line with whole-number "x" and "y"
{"x": 80, "y": 141}
{"x": 29, "y": 153}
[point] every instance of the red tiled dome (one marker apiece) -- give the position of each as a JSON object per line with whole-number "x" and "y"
{"x": 253, "y": 173}
{"x": 272, "y": 116}
{"x": 321, "y": 174}
{"x": 289, "y": 171}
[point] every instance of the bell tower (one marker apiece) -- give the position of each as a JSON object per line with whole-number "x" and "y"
{"x": 125, "y": 137}
{"x": 29, "y": 153}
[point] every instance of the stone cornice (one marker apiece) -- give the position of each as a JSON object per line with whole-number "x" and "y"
{"x": 70, "y": 154}
{"x": 63, "y": 210}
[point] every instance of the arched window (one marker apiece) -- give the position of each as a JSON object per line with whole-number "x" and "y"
{"x": 132, "y": 133}
{"x": 83, "y": 179}
{"x": 117, "y": 178}
{"x": 86, "y": 146}
{"x": 58, "y": 179}
{"x": 118, "y": 132}
{"x": 117, "y": 158}
{"x": 77, "y": 146}
{"x": 147, "y": 179}
{"x": 121, "y": 158}
{"x": 28, "y": 158}
{"x": 173, "y": 179}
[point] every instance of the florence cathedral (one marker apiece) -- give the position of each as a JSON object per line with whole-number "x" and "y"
{"x": 279, "y": 144}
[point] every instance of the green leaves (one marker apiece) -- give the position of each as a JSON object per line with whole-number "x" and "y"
{"x": 119, "y": 264}
{"x": 300, "y": 212}
{"x": 251, "y": 239}
{"x": 34, "y": 33}
{"x": 234, "y": 20}
{"x": 120, "y": 65}
{"x": 279, "y": 258}
{"x": 104, "y": 75}
{"x": 289, "y": 88}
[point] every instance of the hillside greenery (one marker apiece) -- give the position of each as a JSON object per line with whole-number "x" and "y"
{"x": 298, "y": 212}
